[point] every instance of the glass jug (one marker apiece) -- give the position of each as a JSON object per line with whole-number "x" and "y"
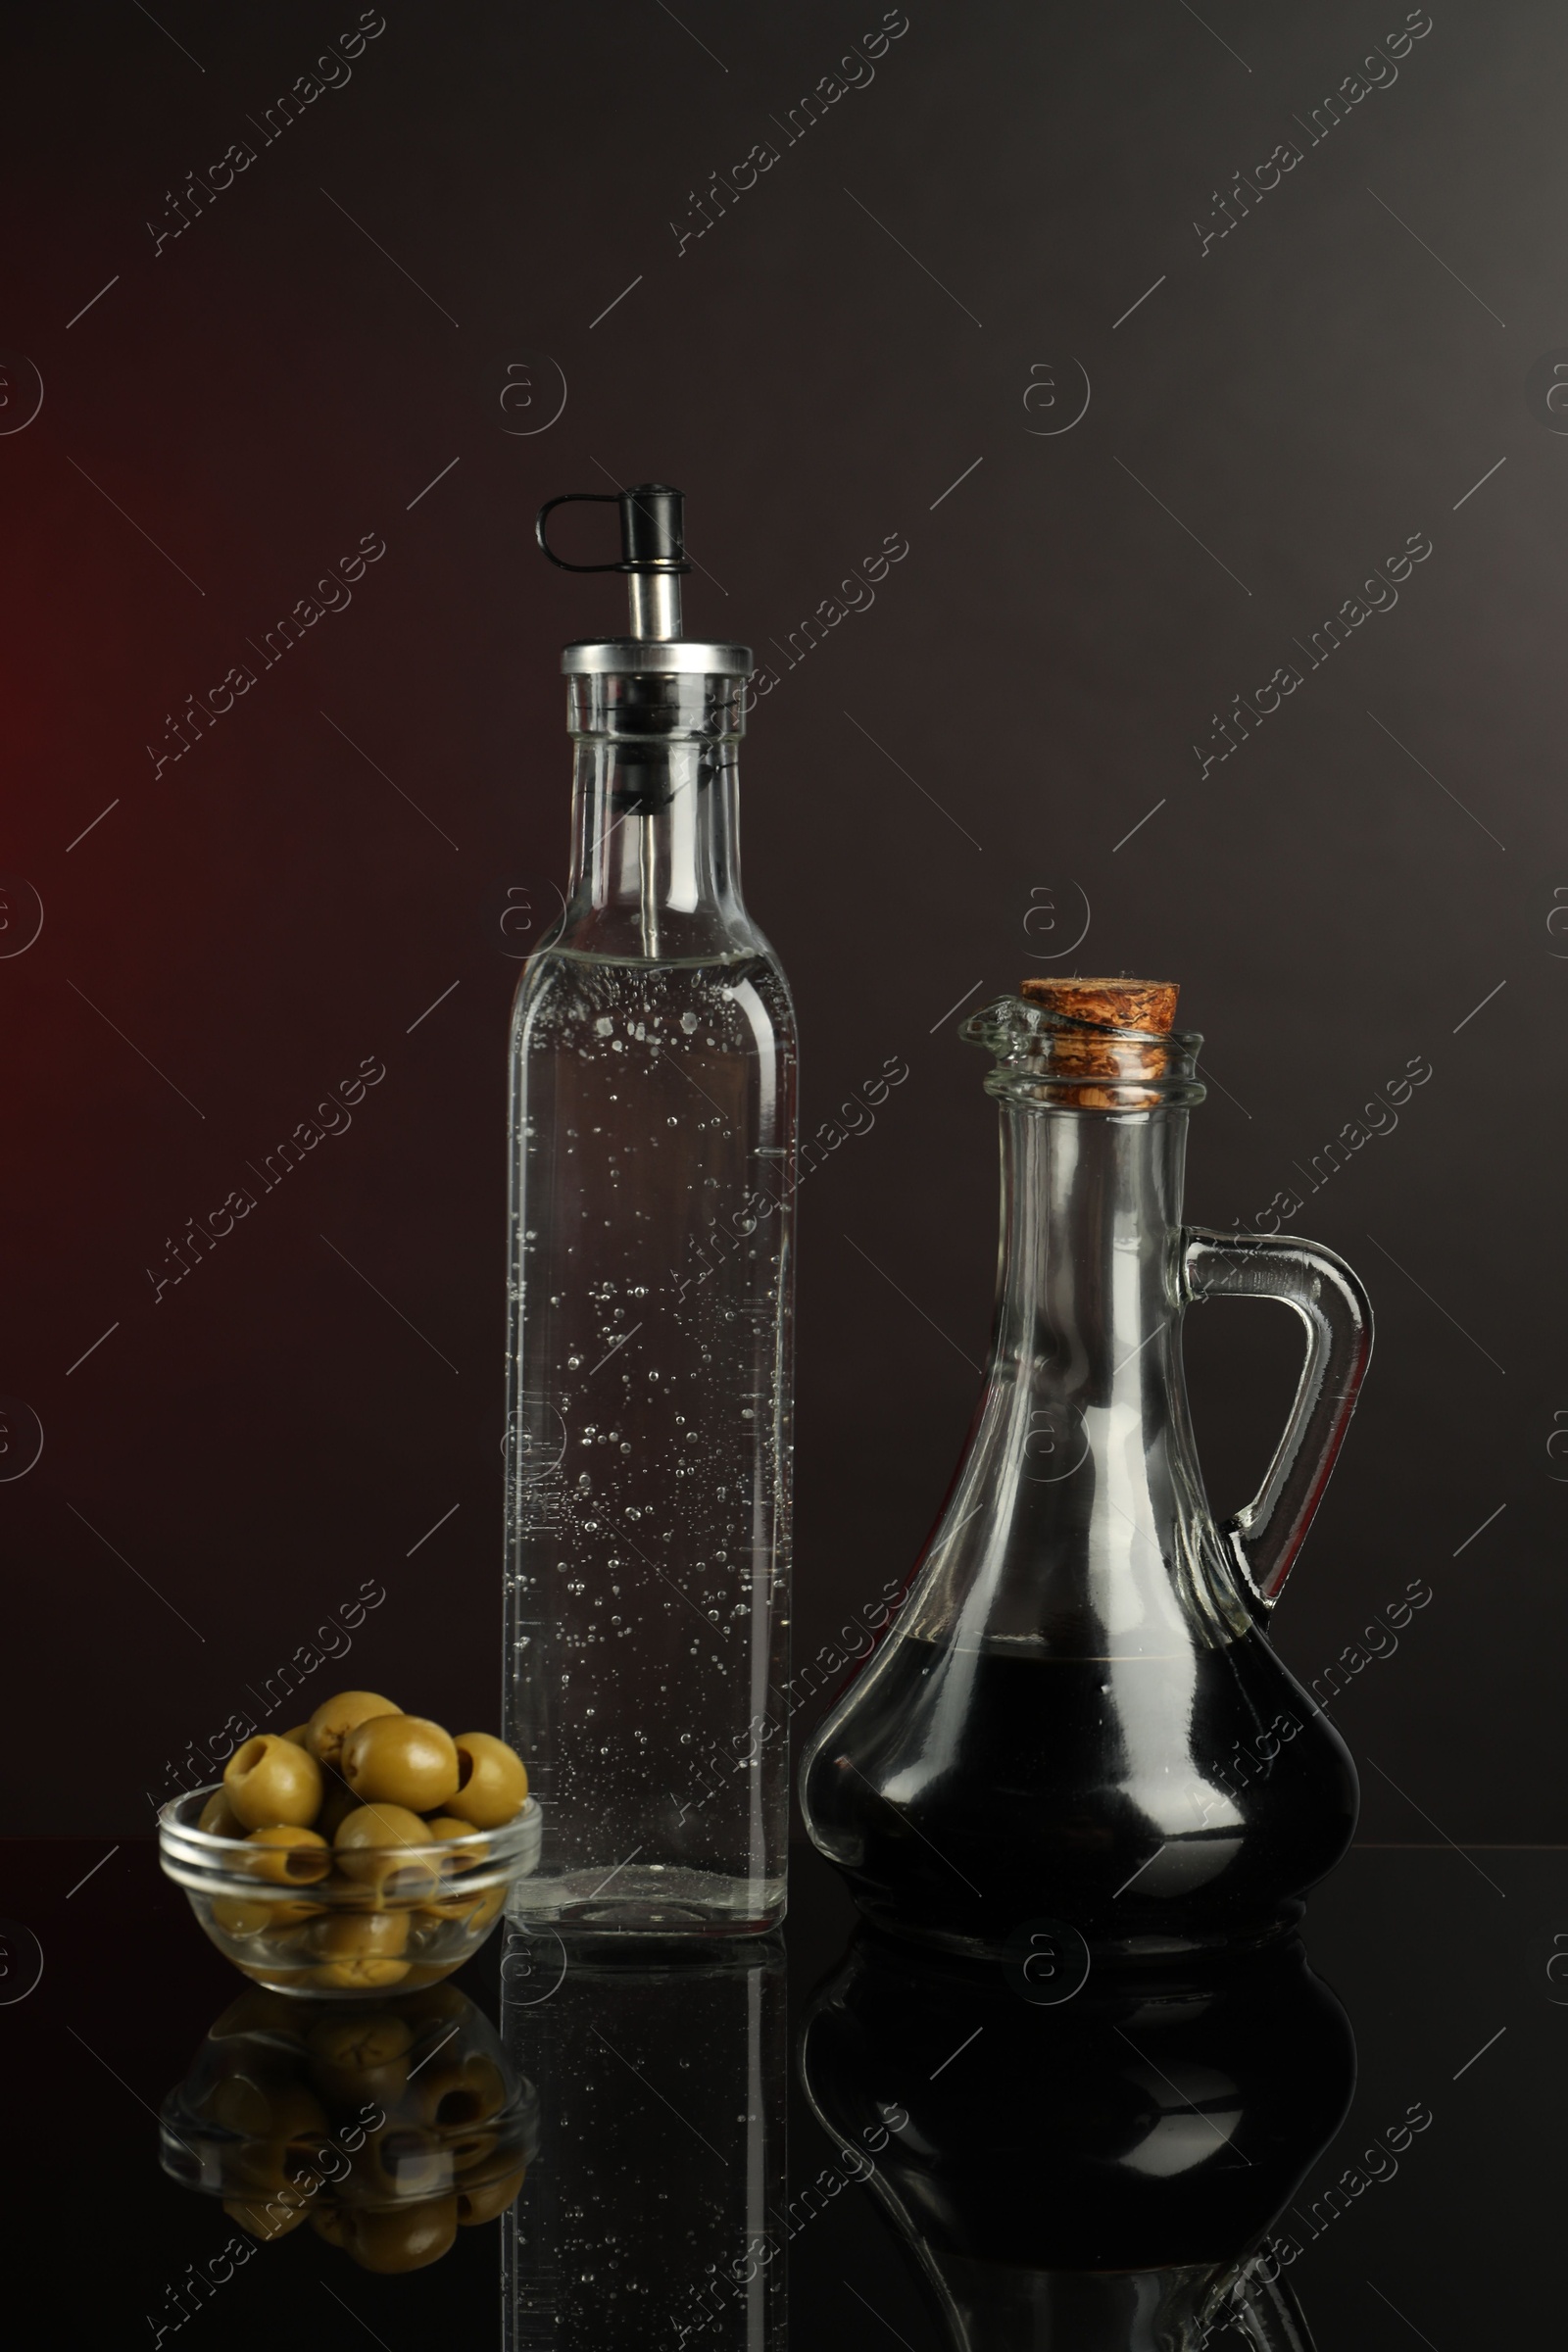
{"x": 1076, "y": 1716}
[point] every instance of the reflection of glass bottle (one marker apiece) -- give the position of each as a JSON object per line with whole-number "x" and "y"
{"x": 1099, "y": 2176}
{"x": 653, "y": 1170}
{"x": 652, "y": 2214}
{"x": 1077, "y": 1713}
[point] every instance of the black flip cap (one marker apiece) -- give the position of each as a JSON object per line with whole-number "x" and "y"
{"x": 652, "y": 527}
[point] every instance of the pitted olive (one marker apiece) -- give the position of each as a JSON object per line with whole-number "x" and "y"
{"x": 452, "y": 1901}
{"x": 398, "y": 2164}
{"x": 337, "y": 1716}
{"x": 358, "y": 2058}
{"x": 269, "y": 1780}
{"x": 401, "y": 2238}
{"x": 254, "y": 2014}
{"x": 452, "y": 2096}
{"x": 219, "y": 1818}
{"x": 401, "y": 1760}
{"x": 267, "y": 2218}
{"x": 368, "y": 1848}
{"x": 261, "y": 2102}
{"x": 282, "y": 2154}
{"x": 476, "y": 1910}
{"x": 492, "y": 1783}
{"x": 359, "y": 1949}
{"x": 349, "y": 1934}
{"x": 434, "y": 2013}
{"x": 289, "y": 1856}
{"x": 442, "y": 1828}
{"x": 240, "y": 1918}
{"x": 473, "y": 2150}
{"x": 361, "y": 1973}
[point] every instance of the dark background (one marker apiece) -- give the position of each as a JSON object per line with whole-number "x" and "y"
{"x": 349, "y": 863}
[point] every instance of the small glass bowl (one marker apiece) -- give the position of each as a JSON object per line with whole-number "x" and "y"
{"x": 409, "y": 1917}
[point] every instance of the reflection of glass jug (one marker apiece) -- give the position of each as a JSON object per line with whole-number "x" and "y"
{"x": 1076, "y": 1713}
{"x": 1099, "y": 2176}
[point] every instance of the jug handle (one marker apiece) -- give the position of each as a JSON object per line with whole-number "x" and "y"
{"x": 1265, "y": 1536}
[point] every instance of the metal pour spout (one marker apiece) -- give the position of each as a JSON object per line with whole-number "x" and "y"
{"x": 653, "y": 552}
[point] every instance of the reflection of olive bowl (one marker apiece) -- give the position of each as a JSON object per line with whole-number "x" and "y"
{"x": 406, "y": 1917}
{"x": 386, "y": 2127}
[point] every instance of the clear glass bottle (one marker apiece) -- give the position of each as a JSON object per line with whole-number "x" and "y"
{"x": 1076, "y": 1716}
{"x": 653, "y": 1128}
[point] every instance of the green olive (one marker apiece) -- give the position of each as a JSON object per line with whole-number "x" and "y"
{"x": 358, "y": 2058}
{"x": 368, "y": 1849}
{"x": 307, "y": 2164}
{"x": 444, "y": 1829}
{"x": 360, "y": 1935}
{"x": 289, "y": 1856}
{"x": 454, "y": 2097}
{"x": 359, "y": 1950}
{"x": 239, "y": 1918}
{"x": 272, "y": 1916}
{"x": 282, "y": 2152}
{"x": 337, "y": 1716}
{"x": 449, "y": 1907}
{"x": 259, "y": 2103}
{"x": 269, "y": 1779}
{"x": 354, "y": 2044}
{"x": 401, "y": 1760}
{"x": 492, "y": 1783}
{"x": 259, "y": 2013}
{"x": 399, "y": 2165}
{"x": 401, "y": 2238}
{"x": 327, "y": 2222}
{"x": 482, "y": 2204}
{"x": 476, "y": 1910}
{"x": 298, "y": 1735}
{"x": 435, "y": 2011}
{"x": 219, "y": 1818}
{"x": 473, "y": 2150}
{"x": 268, "y": 2217}
{"x": 441, "y": 1827}
{"x": 358, "y": 1974}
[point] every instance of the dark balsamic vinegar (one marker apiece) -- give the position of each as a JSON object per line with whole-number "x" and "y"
{"x": 1153, "y": 1804}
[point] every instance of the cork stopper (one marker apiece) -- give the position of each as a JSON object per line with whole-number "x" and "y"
{"x": 1149, "y": 1005}
{"x": 1087, "y": 1045}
